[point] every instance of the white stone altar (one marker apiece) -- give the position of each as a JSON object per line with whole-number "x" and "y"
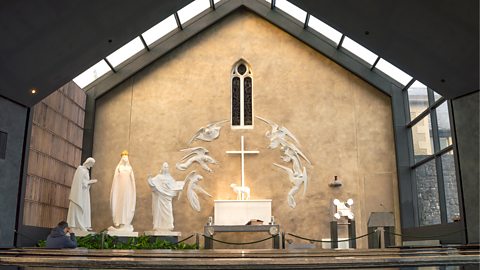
{"x": 239, "y": 212}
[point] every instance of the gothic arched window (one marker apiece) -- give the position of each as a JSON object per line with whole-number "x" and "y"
{"x": 242, "y": 98}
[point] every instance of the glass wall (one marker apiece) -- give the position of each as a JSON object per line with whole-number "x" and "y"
{"x": 427, "y": 194}
{"x": 432, "y": 162}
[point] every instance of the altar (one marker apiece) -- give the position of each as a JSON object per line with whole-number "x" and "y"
{"x": 244, "y": 211}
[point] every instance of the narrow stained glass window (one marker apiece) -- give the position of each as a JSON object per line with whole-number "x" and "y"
{"x": 242, "y": 96}
{"x": 248, "y": 101}
{"x": 236, "y": 101}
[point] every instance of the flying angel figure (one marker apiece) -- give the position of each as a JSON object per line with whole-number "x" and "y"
{"x": 193, "y": 187}
{"x": 291, "y": 155}
{"x": 288, "y": 148}
{"x": 278, "y": 131}
{"x": 297, "y": 181}
{"x": 196, "y": 154}
{"x": 208, "y": 133}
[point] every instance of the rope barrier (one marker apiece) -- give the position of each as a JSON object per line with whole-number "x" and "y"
{"x": 183, "y": 240}
{"x": 234, "y": 243}
{"x": 329, "y": 241}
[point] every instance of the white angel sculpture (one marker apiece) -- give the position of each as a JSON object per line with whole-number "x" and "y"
{"x": 297, "y": 181}
{"x": 208, "y": 133}
{"x": 192, "y": 180}
{"x": 278, "y": 131}
{"x": 292, "y": 156}
{"x": 196, "y": 154}
{"x": 287, "y": 147}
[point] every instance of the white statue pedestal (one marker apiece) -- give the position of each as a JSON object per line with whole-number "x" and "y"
{"x": 238, "y": 212}
{"x": 81, "y": 233}
{"x": 163, "y": 233}
{"x": 122, "y": 233}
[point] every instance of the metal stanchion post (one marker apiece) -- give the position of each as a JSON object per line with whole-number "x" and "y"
{"x": 352, "y": 234}
{"x": 197, "y": 240}
{"x": 334, "y": 234}
{"x": 103, "y": 240}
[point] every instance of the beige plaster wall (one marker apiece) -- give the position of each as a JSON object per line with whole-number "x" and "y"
{"x": 343, "y": 124}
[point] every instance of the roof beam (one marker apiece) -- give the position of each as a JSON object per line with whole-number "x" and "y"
{"x": 263, "y": 10}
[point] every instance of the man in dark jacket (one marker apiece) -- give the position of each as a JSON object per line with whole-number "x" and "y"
{"x": 58, "y": 237}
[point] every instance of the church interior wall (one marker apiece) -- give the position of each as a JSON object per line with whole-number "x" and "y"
{"x": 13, "y": 125}
{"x": 344, "y": 126}
{"x": 466, "y": 115}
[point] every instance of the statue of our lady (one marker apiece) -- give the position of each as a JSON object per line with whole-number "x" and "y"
{"x": 123, "y": 196}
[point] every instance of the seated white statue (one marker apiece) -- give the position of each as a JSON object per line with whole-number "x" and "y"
{"x": 192, "y": 179}
{"x": 123, "y": 196}
{"x": 164, "y": 189}
{"x": 197, "y": 154}
{"x": 208, "y": 133}
{"x": 297, "y": 180}
{"x": 79, "y": 211}
{"x": 239, "y": 190}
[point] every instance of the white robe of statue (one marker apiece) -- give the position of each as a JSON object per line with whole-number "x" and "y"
{"x": 123, "y": 196}
{"x": 79, "y": 213}
{"x": 164, "y": 189}
{"x": 192, "y": 187}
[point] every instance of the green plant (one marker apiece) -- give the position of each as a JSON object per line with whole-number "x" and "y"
{"x": 42, "y": 243}
{"x": 94, "y": 241}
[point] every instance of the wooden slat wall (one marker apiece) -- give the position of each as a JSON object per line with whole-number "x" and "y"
{"x": 55, "y": 153}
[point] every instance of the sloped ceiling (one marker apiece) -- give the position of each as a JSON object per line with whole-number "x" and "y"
{"x": 45, "y": 44}
{"x": 436, "y": 42}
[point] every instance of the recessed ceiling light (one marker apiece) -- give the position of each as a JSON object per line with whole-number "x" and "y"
{"x": 33, "y": 91}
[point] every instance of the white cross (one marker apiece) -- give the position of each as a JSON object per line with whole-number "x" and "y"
{"x": 242, "y": 152}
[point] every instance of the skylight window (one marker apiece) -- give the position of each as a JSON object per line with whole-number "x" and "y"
{"x": 324, "y": 29}
{"x": 191, "y": 10}
{"x": 128, "y": 50}
{"x": 393, "y": 72}
{"x": 359, "y": 50}
{"x": 91, "y": 74}
{"x": 161, "y": 29}
{"x": 291, "y": 10}
{"x": 417, "y": 99}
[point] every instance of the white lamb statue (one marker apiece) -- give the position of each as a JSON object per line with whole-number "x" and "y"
{"x": 239, "y": 190}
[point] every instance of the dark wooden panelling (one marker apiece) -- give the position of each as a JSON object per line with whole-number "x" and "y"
{"x": 55, "y": 152}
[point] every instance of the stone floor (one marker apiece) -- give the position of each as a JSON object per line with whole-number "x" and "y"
{"x": 438, "y": 258}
